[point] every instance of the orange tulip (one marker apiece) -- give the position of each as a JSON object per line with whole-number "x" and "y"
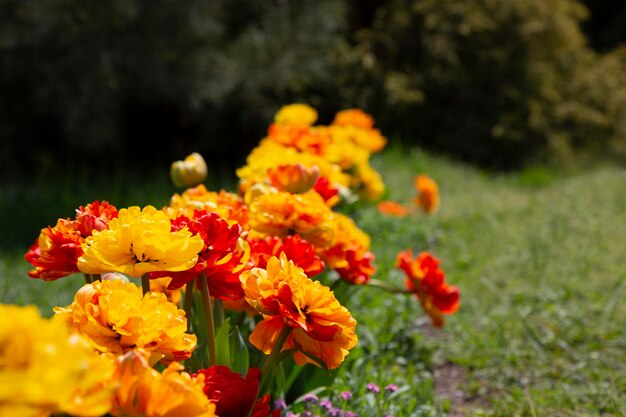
{"x": 393, "y": 208}
{"x": 350, "y": 255}
{"x": 297, "y": 250}
{"x": 55, "y": 254}
{"x": 228, "y": 205}
{"x": 354, "y": 117}
{"x": 428, "y": 197}
{"x": 321, "y": 327}
{"x": 426, "y": 280}
{"x": 294, "y": 178}
{"x": 143, "y": 392}
{"x": 283, "y": 214}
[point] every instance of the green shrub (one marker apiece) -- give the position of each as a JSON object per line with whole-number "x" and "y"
{"x": 140, "y": 83}
{"x": 500, "y": 82}
{"x": 594, "y": 112}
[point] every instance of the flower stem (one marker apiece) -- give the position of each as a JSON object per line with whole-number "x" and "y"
{"x": 145, "y": 284}
{"x": 208, "y": 311}
{"x": 188, "y": 303}
{"x": 96, "y": 277}
{"x": 88, "y": 279}
{"x": 273, "y": 359}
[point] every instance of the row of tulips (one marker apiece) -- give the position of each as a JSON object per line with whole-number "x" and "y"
{"x": 239, "y": 291}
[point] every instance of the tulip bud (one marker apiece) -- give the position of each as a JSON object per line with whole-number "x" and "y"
{"x": 190, "y": 172}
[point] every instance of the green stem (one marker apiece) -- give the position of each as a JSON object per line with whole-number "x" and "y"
{"x": 188, "y": 302}
{"x": 145, "y": 284}
{"x": 88, "y": 279}
{"x": 219, "y": 312}
{"x": 96, "y": 277}
{"x": 208, "y": 312}
{"x": 273, "y": 359}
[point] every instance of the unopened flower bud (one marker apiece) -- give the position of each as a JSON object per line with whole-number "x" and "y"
{"x": 190, "y": 172}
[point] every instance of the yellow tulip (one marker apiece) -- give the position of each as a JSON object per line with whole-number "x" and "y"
{"x": 137, "y": 242}
{"x": 296, "y": 114}
{"x": 115, "y": 317}
{"x": 44, "y": 369}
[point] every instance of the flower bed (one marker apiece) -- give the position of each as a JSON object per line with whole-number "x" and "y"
{"x": 240, "y": 292}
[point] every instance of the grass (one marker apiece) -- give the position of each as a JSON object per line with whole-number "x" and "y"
{"x": 541, "y": 266}
{"x": 539, "y": 258}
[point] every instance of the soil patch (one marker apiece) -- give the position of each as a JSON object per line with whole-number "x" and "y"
{"x": 450, "y": 383}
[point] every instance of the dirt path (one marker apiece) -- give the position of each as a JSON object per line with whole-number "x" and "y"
{"x": 450, "y": 383}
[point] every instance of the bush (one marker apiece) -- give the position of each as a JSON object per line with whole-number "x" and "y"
{"x": 500, "y": 83}
{"x": 139, "y": 83}
{"x": 594, "y": 112}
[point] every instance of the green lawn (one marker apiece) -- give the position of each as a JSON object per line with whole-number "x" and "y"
{"x": 539, "y": 257}
{"x": 541, "y": 264}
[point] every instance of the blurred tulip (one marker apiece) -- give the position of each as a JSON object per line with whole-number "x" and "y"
{"x": 296, "y": 115}
{"x": 295, "y": 178}
{"x": 190, "y": 172}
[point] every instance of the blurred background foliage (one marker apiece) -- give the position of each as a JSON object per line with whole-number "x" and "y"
{"x": 135, "y": 84}
{"x": 498, "y": 82}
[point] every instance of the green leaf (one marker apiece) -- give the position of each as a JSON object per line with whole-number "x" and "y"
{"x": 199, "y": 357}
{"x": 280, "y": 380}
{"x": 222, "y": 345}
{"x": 239, "y": 356}
{"x": 317, "y": 377}
{"x": 292, "y": 370}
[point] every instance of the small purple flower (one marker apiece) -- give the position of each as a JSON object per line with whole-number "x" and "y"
{"x": 280, "y": 404}
{"x": 373, "y": 388}
{"x": 334, "y": 412}
{"x": 306, "y": 414}
{"x": 310, "y": 398}
{"x": 290, "y": 414}
{"x": 351, "y": 414}
{"x": 326, "y": 404}
{"x": 346, "y": 395}
{"x": 388, "y": 415}
{"x": 391, "y": 388}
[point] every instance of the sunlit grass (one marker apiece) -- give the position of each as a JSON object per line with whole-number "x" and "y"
{"x": 542, "y": 270}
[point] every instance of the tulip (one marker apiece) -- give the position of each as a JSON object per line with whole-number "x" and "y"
{"x": 190, "y": 172}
